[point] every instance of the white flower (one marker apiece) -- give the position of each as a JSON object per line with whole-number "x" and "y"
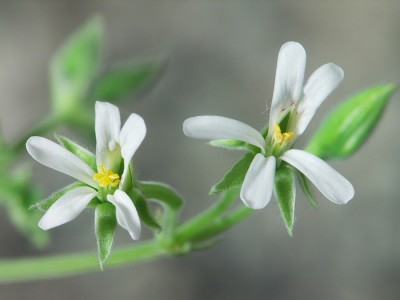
{"x": 295, "y": 105}
{"x": 114, "y": 150}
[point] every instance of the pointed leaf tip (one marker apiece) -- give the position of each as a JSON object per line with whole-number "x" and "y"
{"x": 347, "y": 127}
{"x": 285, "y": 193}
{"x": 105, "y": 225}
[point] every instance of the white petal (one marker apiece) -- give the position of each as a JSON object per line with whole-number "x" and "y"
{"x": 58, "y": 158}
{"x": 288, "y": 80}
{"x": 327, "y": 180}
{"x": 216, "y": 128}
{"x": 67, "y": 207}
{"x": 127, "y": 216}
{"x": 258, "y": 184}
{"x": 107, "y": 127}
{"x": 321, "y": 83}
{"x": 132, "y": 135}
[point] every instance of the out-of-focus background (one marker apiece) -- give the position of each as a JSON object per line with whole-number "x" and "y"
{"x": 221, "y": 60}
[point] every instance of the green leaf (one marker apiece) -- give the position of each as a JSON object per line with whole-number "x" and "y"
{"x": 17, "y": 194}
{"x": 25, "y": 220}
{"x": 350, "y": 124}
{"x": 305, "y": 186}
{"x": 143, "y": 210}
{"x": 105, "y": 224}
{"x": 88, "y": 157}
{"x": 125, "y": 80}
{"x": 75, "y": 65}
{"x": 235, "y": 176}
{"x": 45, "y": 204}
{"x": 161, "y": 192}
{"x": 285, "y": 192}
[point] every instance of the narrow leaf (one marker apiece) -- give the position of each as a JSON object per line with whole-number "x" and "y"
{"x": 351, "y": 123}
{"x": 285, "y": 193}
{"x": 235, "y": 176}
{"x": 125, "y": 80}
{"x": 105, "y": 224}
{"x": 161, "y": 192}
{"x": 88, "y": 157}
{"x": 75, "y": 65}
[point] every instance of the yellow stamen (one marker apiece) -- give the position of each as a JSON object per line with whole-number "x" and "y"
{"x": 106, "y": 177}
{"x": 280, "y": 137}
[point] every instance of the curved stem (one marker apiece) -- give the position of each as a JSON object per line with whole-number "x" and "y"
{"x": 205, "y": 226}
{"x": 223, "y": 224}
{"x": 197, "y": 224}
{"x": 65, "y": 265}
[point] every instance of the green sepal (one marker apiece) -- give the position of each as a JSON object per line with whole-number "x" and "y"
{"x": 75, "y": 65}
{"x": 88, "y": 157}
{"x": 351, "y": 123}
{"x": 305, "y": 186}
{"x": 285, "y": 193}
{"x": 234, "y": 145}
{"x": 229, "y": 144}
{"x": 144, "y": 211}
{"x": 162, "y": 193}
{"x": 235, "y": 176}
{"x": 124, "y": 80}
{"x": 45, "y": 204}
{"x": 105, "y": 225}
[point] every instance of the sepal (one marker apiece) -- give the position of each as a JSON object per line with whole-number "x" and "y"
{"x": 229, "y": 144}
{"x": 105, "y": 225}
{"x": 235, "y": 176}
{"x": 143, "y": 210}
{"x": 307, "y": 189}
{"x": 88, "y": 157}
{"x": 285, "y": 193}
{"x": 45, "y": 204}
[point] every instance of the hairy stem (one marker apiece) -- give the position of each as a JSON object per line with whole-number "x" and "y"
{"x": 205, "y": 226}
{"x": 25, "y": 269}
{"x": 197, "y": 224}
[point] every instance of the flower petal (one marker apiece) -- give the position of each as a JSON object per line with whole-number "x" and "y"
{"x": 327, "y": 180}
{"x": 56, "y": 157}
{"x": 107, "y": 127}
{"x": 127, "y": 216}
{"x": 320, "y": 84}
{"x": 288, "y": 80}
{"x": 258, "y": 184}
{"x": 67, "y": 207}
{"x": 216, "y": 128}
{"x": 132, "y": 135}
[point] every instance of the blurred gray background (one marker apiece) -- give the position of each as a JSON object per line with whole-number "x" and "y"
{"x": 221, "y": 60}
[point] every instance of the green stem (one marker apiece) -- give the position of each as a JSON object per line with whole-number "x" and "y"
{"x": 64, "y": 265}
{"x": 205, "y": 226}
{"x": 196, "y": 225}
{"x": 223, "y": 224}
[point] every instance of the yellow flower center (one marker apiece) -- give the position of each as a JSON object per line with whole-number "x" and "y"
{"x": 106, "y": 177}
{"x": 280, "y": 137}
